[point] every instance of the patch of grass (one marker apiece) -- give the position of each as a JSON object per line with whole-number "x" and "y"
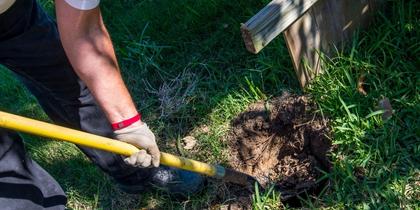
{"x": 270, "y": 199}
{"x": 376, "y": 162}
{"x": 375, "y": 158}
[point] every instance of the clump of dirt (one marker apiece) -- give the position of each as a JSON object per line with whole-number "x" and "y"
{"x": 282, "y": 141}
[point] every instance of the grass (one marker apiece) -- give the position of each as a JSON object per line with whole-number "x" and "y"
{"x": 269, "y": 199}
{"x": 384, "y": 152}
{"x": 195, "y": 47}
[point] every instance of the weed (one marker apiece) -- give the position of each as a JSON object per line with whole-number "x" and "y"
{"x": 270, "y": 199}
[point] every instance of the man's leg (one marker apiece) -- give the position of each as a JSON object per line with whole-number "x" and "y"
{"x": 23, "y": 183}
{"x": 33, "y": 51}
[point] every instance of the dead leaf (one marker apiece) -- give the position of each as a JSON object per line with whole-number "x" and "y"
{"x": 360, "y": 84}
{"x": 189, "y": 142}
{"x": 385, "y": 105}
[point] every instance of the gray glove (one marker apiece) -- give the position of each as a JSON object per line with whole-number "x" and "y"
{"x": 142, "y": 137}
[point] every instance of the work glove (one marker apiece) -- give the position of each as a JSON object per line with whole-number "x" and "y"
{"x": 142, "y": 137}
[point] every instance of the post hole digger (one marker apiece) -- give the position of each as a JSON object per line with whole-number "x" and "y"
{"x": 39, "y": 128}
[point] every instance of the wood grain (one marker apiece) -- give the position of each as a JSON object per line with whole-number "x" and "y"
{"x": 273, "y": 19}
{"x": 322, "y": 29}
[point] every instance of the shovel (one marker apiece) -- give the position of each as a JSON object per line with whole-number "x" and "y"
{"x": 39, "y": 128}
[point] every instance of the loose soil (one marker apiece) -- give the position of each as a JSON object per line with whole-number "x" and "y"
{"x": 282, "y": 141}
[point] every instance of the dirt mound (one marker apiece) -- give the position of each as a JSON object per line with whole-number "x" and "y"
{"x": 281, "y": 141}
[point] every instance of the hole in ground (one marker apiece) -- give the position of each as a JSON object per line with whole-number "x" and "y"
{"x": 282, "y": 142}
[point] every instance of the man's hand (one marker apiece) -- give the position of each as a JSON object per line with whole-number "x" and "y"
{"x": 141, "y": 136}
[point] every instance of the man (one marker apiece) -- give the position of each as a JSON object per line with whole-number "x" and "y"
{"x": 72, "y": 70}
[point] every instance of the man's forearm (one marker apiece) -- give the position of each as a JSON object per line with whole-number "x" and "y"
{"x": 90, "y": 51}
{"x": 93, "y": 59}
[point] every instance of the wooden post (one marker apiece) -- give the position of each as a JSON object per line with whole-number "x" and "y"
{"x": 310, "y": 27}
{"x": 271, "y": 21}
{"x": 322, "y": 29}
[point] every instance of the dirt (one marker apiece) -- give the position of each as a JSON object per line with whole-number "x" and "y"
{"x": 282, "y": 142}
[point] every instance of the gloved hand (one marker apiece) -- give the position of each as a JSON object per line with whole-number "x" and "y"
{"x": 140, "y": 136}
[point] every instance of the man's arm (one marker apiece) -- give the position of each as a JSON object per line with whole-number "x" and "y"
{"x": 89, "y": 49}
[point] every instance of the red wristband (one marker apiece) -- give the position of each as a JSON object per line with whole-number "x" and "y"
{"x": 126, "y": 123}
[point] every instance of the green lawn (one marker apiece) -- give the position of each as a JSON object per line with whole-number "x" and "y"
{"x": 187, "y": 68}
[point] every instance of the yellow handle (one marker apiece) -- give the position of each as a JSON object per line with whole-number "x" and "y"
{"x": 23, "y": 124}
